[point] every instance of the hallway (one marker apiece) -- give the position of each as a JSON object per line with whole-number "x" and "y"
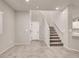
{"x": 39, "y": 28}
{"x": 38, "y": 49}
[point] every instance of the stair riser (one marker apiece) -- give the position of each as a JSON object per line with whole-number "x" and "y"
{"x": 54, "y": 36}
{"x": 52, "y": 30}
{"x": 55, "y": 41}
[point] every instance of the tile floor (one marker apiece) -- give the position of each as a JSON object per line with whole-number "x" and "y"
{"x": 38, "y": 49}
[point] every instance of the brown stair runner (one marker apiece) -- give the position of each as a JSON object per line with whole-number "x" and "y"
{"x": 54, "y": 38}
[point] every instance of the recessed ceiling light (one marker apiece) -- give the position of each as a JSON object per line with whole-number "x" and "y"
{"x": 57, "y": 8}
{"x": 27, "y": 0}
{"x": 63, "y": 12}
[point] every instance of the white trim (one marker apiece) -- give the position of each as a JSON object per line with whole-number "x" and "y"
{"x": 27, "y": 43}
{"x": 21, "y": 44}
{"x": 7, "y": 49}
{"x": 71, "y": 49}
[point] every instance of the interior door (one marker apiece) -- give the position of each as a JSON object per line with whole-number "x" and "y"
{"x": 35, "y": 31}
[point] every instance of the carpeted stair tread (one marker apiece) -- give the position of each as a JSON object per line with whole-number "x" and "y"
{"x": 54, "y": 38}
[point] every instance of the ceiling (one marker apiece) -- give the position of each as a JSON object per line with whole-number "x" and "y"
{"x": 22, "y": 5}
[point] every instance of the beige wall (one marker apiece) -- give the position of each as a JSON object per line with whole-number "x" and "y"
{"x": 73, "y": 41}
{"x": 22, "y": 23}
{"x": 61, "y": 25}
{"x": 8, "y": 36}
{"x": 49, "y": 16}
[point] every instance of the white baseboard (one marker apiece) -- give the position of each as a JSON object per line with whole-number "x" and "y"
{"x": 9, "y": 47}
{"x": 71, "y": 49}
{"x": 22, "y": 43}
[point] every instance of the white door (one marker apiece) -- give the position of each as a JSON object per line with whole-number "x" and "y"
{"x": 35, "y": 31}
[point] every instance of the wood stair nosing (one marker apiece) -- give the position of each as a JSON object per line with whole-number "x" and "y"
{"x": 52, "y": 29}
{"x": 54, "y": 37}
{"x": 53, "y": 33}
{"x": 56, "y": 44}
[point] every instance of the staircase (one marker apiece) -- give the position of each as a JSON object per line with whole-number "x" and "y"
{"x": 54, "y": 38}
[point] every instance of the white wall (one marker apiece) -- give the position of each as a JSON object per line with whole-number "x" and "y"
{"x": 64, "y": 26}
{"x": 73, "y": 41}
{"x": 49, "y": 16}
{"x": 43, "y": 17}
{"x": 8, "y": 36}
{"x": 22, "y": 23}
{"x": 46, "y": 33}
{"x": 37, "y": 16}
{"x": 61, "y": 25}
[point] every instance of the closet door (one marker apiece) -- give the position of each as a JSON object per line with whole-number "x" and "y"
{"x": 35, "y": 31}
